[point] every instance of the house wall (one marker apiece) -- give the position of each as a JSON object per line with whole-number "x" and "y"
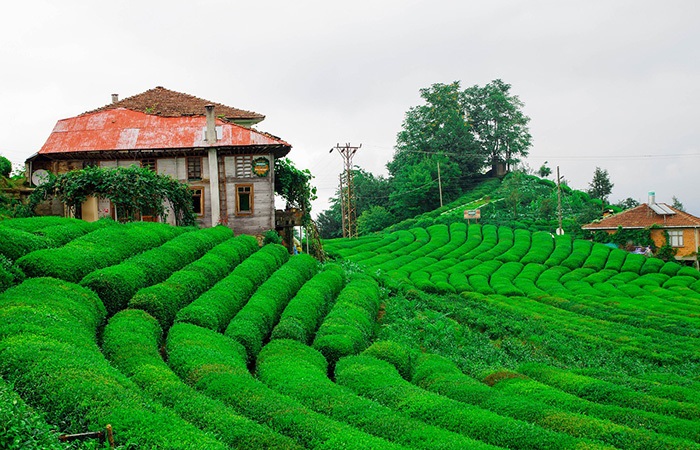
{"x": 691, "y": 240}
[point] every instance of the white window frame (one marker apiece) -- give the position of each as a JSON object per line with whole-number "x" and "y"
{"x": 675, "y": 238}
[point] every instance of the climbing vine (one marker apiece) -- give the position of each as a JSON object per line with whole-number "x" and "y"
{"x": 294, "y": 186}
{"x": 132, "y": 190}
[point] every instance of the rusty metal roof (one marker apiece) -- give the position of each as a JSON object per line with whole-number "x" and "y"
{"x": 166, "y": 103}
{"x": 119, "y": 129}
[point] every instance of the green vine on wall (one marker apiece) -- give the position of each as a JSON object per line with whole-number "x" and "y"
{"x": 625, "y": 238}
{"x": 132, "y": 190}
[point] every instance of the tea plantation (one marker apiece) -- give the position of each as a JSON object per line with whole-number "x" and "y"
{"x": 450, "y": 336}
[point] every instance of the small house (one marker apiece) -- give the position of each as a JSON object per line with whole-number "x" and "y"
{"x": 228, "y": 165}
{"x": 682, "y": 229}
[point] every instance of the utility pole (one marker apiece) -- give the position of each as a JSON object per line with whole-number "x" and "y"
{"x": 347, "y": 194}
{"x": 560, "y": 230}
{"x": 439, "y": 184}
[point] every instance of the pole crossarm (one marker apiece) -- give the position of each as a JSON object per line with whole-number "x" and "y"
{"x": 347, "y": 193}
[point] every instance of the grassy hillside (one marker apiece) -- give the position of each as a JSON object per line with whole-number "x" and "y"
{"x": 450, "y": 336}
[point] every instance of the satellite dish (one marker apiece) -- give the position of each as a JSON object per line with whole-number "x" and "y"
{"x": 40, "y": 176}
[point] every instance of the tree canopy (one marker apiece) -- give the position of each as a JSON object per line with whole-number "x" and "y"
{"x": 294, "y": 185}
{"x": 600, "y": 186}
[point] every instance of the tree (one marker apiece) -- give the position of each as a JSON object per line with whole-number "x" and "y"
{"x": 601, "y": 186}
{"x": 544, "y": 171}
{"x": 498, "y": 123}
{"x": 677, "y": 204}
{"x": 627, "y": 203}
{"x": 374, "y": 219}
{"x": 294, "y": 185}
{"x": 5, "y": 167}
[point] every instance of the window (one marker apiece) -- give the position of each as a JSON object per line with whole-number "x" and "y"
{"x": 198, "y": 200}
{"x": 194, "y": 168}
{"x": 244, "y": 199}
{"x": 675, "y": 238}
{"x": 244, "y": 166}
{"x": 149, "y": 163}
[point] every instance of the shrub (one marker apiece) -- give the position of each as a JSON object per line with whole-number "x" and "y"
{"x": 115, "y": 285}
{"x": 131, "y": 343}
{"x": 216, "y": 365}
{"x": 215, "y": 308}
{"x": 254, "y": 322}
{"x": 349, "y": 326}
{"x": 306, "y": 310}
{"x": 16, "y": 243}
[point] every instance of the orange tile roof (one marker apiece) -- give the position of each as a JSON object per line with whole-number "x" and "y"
{"x": 643, "y": 217}
{"x": 166, "y": 103}
{"x": 124, "y": 129}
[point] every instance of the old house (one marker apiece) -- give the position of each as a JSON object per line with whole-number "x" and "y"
{"x": 662, "y": 220}
{"x": 228, "y": 165}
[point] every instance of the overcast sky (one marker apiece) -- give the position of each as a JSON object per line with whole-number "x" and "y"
{"x": 606, "y": 83}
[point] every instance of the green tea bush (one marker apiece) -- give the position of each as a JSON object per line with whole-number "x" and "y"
{"x": 132, "y": 341}
{"x": 50, "y": 355}
{"x": 608, "y": 393}
{"x": 562, "y": 249}
{"x": 526, "y": 279}
{"x": 458, "y": 236}
{"x": 306, "y": 310}
{"x": 442, "y": 376}
{"x": 542, "y": 246}
{"x": 10, "y": 274}
{"x": 215, "y": 308}
{"x": 633, "y": 263}
{"x": 16, "y": 243}
{"x": 529, "y": 389}
{"x": 504, "y": 244}
{"x": 101, "y": 248}
{"x": 22, "y": 427}
{"x": 653, "y": 265}
{"x": 298, "y": 371}
{"x": 380, "y": 381}
{"x": 579, "y": 253}
{"x": 616, "y": 259}
{"x": 598, "y": 257}
{"x": 521, "y": 246}
{"x": 63, "y": 233}
{"x": 216, "y": 365}
{"x": 255, "y": 321}
{"x": 485, "y": 239}
{"x": 164, "y": 300}
{"x": 349, "y": 327}
{"x": 115, "y": 285}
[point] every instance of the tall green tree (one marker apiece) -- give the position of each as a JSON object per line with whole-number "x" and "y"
{"x": 498, "y": 123}
{"x": 600, "y": 186}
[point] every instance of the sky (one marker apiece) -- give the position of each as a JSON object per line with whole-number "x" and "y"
{"x": 606, "y": 83}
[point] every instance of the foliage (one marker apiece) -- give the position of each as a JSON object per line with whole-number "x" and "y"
{"x": 627, "y": 203}
{"x": 374, "y": 219}
{"x": 133, "y": 190}
{"x": 544, "y": 171}
{"x": 294, "y": 186}
{"x": 271, "y": 237}
{"x": 677, "y": 204}
{"x": 600, "y": 186}
{"x": 5, "y": 167}
{"x": 499, "y": 126}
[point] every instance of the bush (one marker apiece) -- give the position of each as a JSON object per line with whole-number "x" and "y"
{"x": 5, "y": 167}
{"x": 16, "y": 243}
{"x": 215, "y": 308}
{"x": 254, "y": 322}
{"x": 115, "y": 285}
{"x": 132, "y": 342}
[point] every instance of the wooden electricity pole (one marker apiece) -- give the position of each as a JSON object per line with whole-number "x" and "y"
{"x": 560, "y": 230}
{"x": 347, "y": 194}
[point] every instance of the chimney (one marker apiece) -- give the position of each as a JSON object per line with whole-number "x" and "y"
{"x": 115, "y": 98}
{"x": 652, "y": 197}
{"x": 210, "y": 133}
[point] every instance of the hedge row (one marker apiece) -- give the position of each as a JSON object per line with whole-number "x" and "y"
{"x": 485, "y": 241}
{"x": 349, "y": 327}
{"x": 306, "y": 310}
{"x": 294, "y": 369}
{"x": 164, "y": 300}
{"x": 608, "y": 393}
{"x": 255, "y": 321}
{"x": 380, "y": 381}
{"x": 21, "y": 427}
{"x": 49, "y": 354}
{"x": 131, "y": 343}
{"x": 115, "y": 285}
{"x": 16, "y": 243}
{"x": 216, "y": 365}
{"x": 526, "y": 388}
{"x": 101, "y": 248}
{"x": 439, "y": 375}
{"x": 215, "y": 308}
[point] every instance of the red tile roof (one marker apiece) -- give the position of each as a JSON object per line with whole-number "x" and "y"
{"x": 166, "y": 103}
{"x": 124, "y": 129}
{"x": 643, "y": 217}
